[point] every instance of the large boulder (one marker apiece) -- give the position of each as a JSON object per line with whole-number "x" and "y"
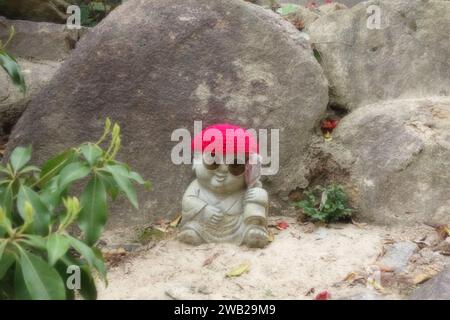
{"x": 394, "y": 158}
{"x": 13, "y": 102}
{"x": 408, "y": 57}
{"x": 348, "y": 3}
{"x": 39, "y": 40}
{"x": 156, "y": 66}
{"x": 303, "y": 17}
{"x": 40, "y": 48}
{"x": 35, "y": 10}
{"x": 437, "y": 288}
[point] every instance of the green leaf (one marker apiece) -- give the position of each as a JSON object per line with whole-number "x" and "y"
{"x": 51, "y": 195}
{"x": 30, "y": 169}
{"x": 122, "y": 177}
{"x": 91, "y": 255}
{"x": 42, "y": 281}
{"x": 34, "y": 241}
{"x": 13, "y": 69}
{"x": 88, "y": 289}
{"x": 317, "y": 55}
{"x": 53, "y": 166}
{"x": 20, "y": 157}
{"x": 57, "y": 246}
{"x": 98, "y": 6}
{"x": 92, "y": 217}
{"x": 6, "y": 200}
{"x": 136, "y": 177}
{"x": 21, "y": 291}
{"x": 91, "y": 152}
{"x": 41, "y": 212}
{"x": 73, "y": 172}
{"x": 110, "y": 185}
{"x": 6, "y": 261}
{"x": 5, "y": 223}
{"x": 3, "y": 244}
{"x": 62, "y": 269}
{"x": 287, "y": 8}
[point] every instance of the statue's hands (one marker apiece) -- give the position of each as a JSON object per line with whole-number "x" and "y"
{"x": 257, "y": 195}
{"x": 213, "y": 214}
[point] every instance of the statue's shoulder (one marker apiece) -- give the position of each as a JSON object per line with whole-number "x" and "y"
{"x": 193, "y": 188}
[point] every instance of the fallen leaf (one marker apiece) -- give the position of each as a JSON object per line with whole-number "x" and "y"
{"x": 426, "y": 275}
{"x": 375, "y": 284}
{"x": 114, "y": 257}
{"x": 210, "y": 259}
{"x": 162, "y": 229}
{"x": 310, "y": 292}
{"x": 282, "y": 225}
{"x": 443, "y": 231}
{"x": 175, "y": 222}
{"x": 239, "y": 270}
{"x": 324, "y": 295}
{"x": 359, "y": 224}
{"x": 271, "y": 236}
{"x": 327, "y": 136}
{"x": 350, "y": 277}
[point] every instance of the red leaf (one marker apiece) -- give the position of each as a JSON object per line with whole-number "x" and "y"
{"x": 282, "y": 225}
{"x": 329, "y": 124}
{"x": 324, "y": 295}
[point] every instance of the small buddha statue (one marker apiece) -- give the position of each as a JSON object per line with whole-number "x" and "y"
{"x": 226, "y": 201}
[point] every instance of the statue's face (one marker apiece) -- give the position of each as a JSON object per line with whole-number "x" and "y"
{"x": 220, "y": 178}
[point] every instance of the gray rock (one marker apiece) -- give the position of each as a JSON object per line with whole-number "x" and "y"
{"x": 408, "y": 57}
{"x": 40, "y": 47}
{"x": 331, "y": 8}
{"x": 268, "y": 4}
{"x": 43, "y": 41}
{"x": 35, "y": 10}
{"x": 397, "y": 256}
{"x": 302, "y": 17}
{"x": 437, "y": 288}
{"x": 395, "y": 157}
{"x": 348, "y": 3}
{"x": 156, "y": 66}
{"x": 12, "y": 101}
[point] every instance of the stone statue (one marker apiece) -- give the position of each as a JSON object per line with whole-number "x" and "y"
{"x": 226, "y": 201}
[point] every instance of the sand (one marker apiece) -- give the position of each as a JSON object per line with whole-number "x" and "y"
{"x": 298, "y": 264}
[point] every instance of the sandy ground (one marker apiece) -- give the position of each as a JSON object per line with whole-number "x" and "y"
{"x": 298, "y": 264}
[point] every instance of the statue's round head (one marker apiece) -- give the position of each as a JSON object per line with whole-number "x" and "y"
{"x": 224, "y": 158}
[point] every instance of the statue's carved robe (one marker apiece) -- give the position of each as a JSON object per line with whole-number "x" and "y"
{"x": 230, "y": 229}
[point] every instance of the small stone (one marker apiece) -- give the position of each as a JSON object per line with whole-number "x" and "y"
{"x": 398, "y": 255}
{"x": 204, "y": 289}
{"x": 321, "y": 234}
{"x": 129, "y": 247}
{"x": 179, "y": 293}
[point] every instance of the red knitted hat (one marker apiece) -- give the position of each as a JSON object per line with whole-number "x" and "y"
{"x": 239, "y": 140}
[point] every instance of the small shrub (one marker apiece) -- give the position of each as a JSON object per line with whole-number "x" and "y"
{"x": 37, "y": 208}
{"x": 94, "y": 11}
{"x": 326, "y": 204}
{"x": 10, "y": 65}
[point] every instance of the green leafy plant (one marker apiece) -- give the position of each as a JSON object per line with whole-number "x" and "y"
{"x": 287, "y": 8}
{"x": 10, "y": 64}
{"x": 92, "y": 12}
{"x": 326, "y": 204}
{"x": 38, "y": 208}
